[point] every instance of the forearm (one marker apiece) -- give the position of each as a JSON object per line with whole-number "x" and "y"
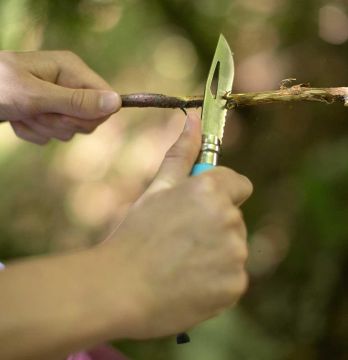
{"x": 51, "y": 306}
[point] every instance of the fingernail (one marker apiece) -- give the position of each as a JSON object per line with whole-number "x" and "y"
{"x": 187, "y": 126}
{"x": 190, "y": 119}
{"x": 109, "y": 102}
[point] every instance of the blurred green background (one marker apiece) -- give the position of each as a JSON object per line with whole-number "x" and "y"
{"x": 69, "y": 195}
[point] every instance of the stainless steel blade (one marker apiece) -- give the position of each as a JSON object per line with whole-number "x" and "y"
{"x": 214, "y": 112}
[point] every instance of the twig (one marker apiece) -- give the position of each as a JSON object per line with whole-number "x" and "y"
{"x": 299, "y": 92}
{"x": 161, "y": 101}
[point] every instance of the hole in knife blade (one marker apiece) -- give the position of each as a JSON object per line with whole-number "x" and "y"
{"x": 215, "y": 81}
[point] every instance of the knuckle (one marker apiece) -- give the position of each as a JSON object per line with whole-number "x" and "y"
{"x": 245, "y": 185}
{"x": 22, "y": 134}
{"x": 225, "y": 171}
{"x": 230, "y": 294}
{"x": 65, "y": 137}
{"x": 243, "y": 282}
{"x": 206, "y": 184}
{"x": 221, "y": 175}
{"x": 77, "y": 100}
{"x": 242, "y": 253}
{"x": 18, "y": 131}
{"x": 233, "y": 175}
{"x": 176, "y": 152}
{"x": 71, "y": 57}
{"x": 202, "y": 189}
{"x": 67, "y": 53}
{"x": 249, "y": 188}
{"x": 235, "y": 217}
{"x": 85, "y": 128}
{"x": 40, "y": 141}
{"x": 211, "y": 198}
{"x": 89, "y": 130}
{"x": 235, "y": 288}
{"x": 237, "y": 250}
{"x": 242, "y": 185}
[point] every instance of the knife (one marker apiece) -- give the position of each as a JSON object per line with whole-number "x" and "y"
{"x": 219, "y": 82}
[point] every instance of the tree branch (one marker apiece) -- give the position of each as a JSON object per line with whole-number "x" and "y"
{"x": 161, "y": 101}
{"x": 299, "y": 92}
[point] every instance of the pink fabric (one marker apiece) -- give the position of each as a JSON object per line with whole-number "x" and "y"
{"x": 103, "y": 352}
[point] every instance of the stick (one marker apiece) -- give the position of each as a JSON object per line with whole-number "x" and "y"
{"x": 161, "y": 101}
{"x": 299, "y": 92}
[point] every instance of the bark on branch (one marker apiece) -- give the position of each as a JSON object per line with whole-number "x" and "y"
{"x": 161, "y": 101}
{"x": 301, "y": 92}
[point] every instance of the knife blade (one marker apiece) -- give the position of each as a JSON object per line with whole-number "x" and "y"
{"x": 214, "y": 110}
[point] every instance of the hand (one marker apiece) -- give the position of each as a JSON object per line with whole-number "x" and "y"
{"x": 182, "y": 248}
{"x": 52, "y": 94}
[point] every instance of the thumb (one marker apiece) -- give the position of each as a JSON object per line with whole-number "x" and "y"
{"x": 80, "y": 103}
{"x": 181, "y": 157}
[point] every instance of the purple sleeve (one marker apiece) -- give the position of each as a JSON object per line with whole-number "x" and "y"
{"x": 102, "y": 352}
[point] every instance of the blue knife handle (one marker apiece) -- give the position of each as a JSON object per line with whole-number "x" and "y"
{"x": 200, "y": 168}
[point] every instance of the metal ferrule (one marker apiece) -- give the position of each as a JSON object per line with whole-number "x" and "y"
{"x": 210, "y": 150}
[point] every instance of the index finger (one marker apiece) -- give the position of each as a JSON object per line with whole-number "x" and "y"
{"x": 238, "y": 187}
{"x": 75, "y": 73}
